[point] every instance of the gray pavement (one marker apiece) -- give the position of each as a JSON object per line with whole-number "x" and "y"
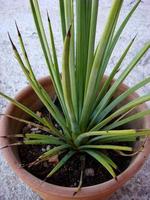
{"x": 12, "y": 79}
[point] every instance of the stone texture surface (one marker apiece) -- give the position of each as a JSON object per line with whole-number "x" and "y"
{"x": 12, "y": 79}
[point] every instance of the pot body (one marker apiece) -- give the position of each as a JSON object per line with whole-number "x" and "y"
{"x": 52, "y": 192}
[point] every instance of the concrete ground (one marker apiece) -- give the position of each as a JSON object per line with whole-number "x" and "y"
{"x": 12, "y": 79}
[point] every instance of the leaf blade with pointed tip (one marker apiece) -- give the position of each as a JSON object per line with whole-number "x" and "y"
{"x": 138, "y": 101}
{"x": 61, "y": 163}
{"x": 91, "y": 91}
{"x": 66, "y": 81}
{"x": 102, "y": 161}
{"x": 117, "y": 83}
{"x": 53, "y": 151}
{"x": 107, "y": 146}
{"x": 55, "y": 76}
{"x": 113, "y": 73}
{"x": 128, "y": 119}
{"x": 121, "y": 97}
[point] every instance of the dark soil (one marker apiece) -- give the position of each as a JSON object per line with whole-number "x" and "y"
{"x": 68, "y": 175}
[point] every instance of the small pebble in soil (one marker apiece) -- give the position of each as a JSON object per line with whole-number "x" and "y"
{"x": 39, "y": 114}
{"x": 34, "y": 129}
{"x": 45, "y": 164}
{"x": 75, "y": 184}
{"x": 89, "y": 172}
{"x": 48, "y": 147}
{"x": 26, "y": 128}
{"x": 56, "y": 125}
{"x": 43, "y": 149}
{"x": 54, "y": 159}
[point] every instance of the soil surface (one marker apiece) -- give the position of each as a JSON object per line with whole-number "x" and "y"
{"x": 69, "y": 175}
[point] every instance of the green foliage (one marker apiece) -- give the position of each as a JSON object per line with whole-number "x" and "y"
{"x": 89, "y": 115}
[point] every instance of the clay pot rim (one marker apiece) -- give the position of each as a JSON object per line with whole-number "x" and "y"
{"x": 67, "y": 191}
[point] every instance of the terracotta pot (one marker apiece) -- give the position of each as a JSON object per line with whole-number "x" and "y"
{"x": 52, "y": 192}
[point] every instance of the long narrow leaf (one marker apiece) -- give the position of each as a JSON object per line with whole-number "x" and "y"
{"x": 62, "y": 14}
{"x": 113, "y": 73}
{"x": 91, "y": 93}
{"x": 83, "y": 13}
{"x": 109, "y": 160}
{"x": 104, "y": 62}
{"x": 122, "y": 26}
{"x": 121, "y": 136}
{"x": 53, "y": 151}
{"x": 61, "y": 163}
{"x": 35, "y": 85}
{"x": 55, "y": 76}
{"x": 128, "y": 119}
{"x": 107, "y": 146}
{"x": 51, "y": 129}
{"x": 102, "y": 161}
{"x": 121, "y": 97}
{"x": 118, "y": 33}
{"x": 117, "y": 83}
{"x": 66, "y": 81}
{"x": 31, "y": 77}
{"x": 122, "y": 110}
{"x": 22, "y": 107}
{"x": 102, "y": 134}
{"x": 53, "y": 45}
{"x": 69, "y": 21}
{"x": 42, "y": 142}
{"x": 93, "y": 23}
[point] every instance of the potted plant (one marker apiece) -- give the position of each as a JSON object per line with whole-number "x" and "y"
{"x": 86, "y": 133}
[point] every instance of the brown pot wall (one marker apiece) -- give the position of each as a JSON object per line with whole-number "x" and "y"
{"x": 52, "y": 192}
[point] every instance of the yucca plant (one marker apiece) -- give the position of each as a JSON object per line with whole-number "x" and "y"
{"x": 88, "y": 119}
